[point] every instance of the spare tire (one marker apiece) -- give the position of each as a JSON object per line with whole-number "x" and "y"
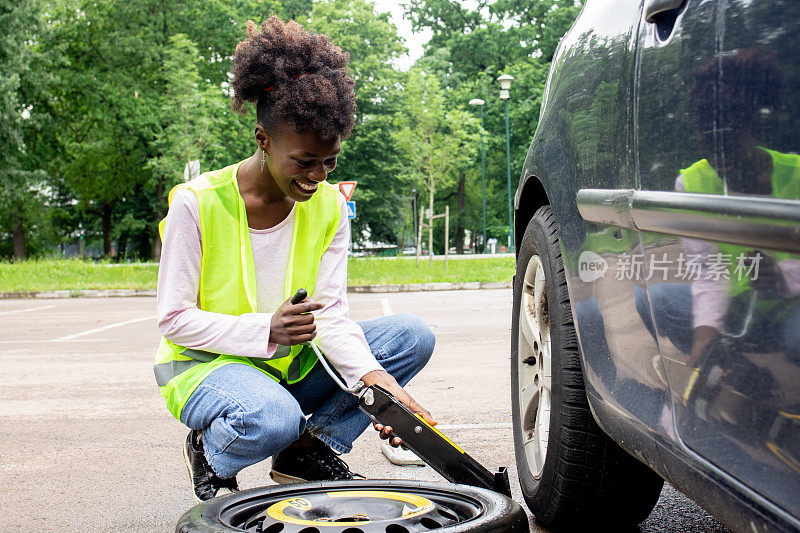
{"x": 358, "y": 506}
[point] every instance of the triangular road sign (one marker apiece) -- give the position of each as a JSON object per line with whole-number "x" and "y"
{"x": 347, "y": 188}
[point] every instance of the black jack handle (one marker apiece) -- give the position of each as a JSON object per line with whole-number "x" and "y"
{"x": 430, "y": 444}
{"x": 433, "y": 447}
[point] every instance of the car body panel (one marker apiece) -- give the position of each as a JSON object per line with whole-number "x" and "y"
{"x": 709, "y": 92}
{"x": 629, "y": 107}
{"x": 579, "y": 142}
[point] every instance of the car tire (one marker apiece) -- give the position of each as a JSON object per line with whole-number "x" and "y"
{"x": 456, "y": 509}
{"x": 570, "y": 472}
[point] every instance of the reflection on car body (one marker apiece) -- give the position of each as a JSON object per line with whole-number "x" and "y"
{"x": 667, "y": 152}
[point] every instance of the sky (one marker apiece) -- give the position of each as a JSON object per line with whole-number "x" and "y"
{"x": 413, "y": 41}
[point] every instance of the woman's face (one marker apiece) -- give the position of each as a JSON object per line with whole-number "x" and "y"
{"x": 298, "y": 162}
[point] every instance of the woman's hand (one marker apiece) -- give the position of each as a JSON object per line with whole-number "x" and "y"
{"x": 293, "y": 323}
{"x": 389, "y": 384}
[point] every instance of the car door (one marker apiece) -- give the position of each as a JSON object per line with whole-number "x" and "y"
{"x": 717, "y": 105}
{"x": 586, "y": 140}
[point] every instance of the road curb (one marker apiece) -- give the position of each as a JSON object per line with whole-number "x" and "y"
{"x": 76, "y": 293}
{"x": 423, "y": 287}
{"x": 115, "y": 293}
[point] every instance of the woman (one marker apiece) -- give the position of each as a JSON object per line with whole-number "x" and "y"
{"x": 237, "y": 244}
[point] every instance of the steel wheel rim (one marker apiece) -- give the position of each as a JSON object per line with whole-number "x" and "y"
{"x": 299, "y": 511}
{"x": 534, "y": 387}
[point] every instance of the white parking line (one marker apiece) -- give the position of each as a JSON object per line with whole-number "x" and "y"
{"x": 103, "y": 328}
{"x": 499, "y": 425}
{"x": 27, "y": 310}
{"x": 387, "y": 309}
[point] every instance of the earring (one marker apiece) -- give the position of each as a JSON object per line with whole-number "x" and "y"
{"x": 263, "y": 159}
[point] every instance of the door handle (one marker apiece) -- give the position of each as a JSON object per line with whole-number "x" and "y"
{"x": 654, "y": 8}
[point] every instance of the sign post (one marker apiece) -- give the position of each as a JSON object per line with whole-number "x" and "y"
{"x": 347, "y": 188}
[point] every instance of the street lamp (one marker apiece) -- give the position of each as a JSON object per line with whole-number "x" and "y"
{"x": 478, "y": 102}
{"x": 413, "y": 214}
{"x": 505, "y": 86}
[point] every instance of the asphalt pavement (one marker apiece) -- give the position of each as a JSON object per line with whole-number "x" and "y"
{"x": 87, "y": 444}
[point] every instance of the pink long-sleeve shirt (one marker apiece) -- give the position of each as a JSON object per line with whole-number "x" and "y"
{"x": 183, "y": 322}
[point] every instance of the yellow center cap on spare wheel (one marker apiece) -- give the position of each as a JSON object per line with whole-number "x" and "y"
{"x": 349, "y": 508}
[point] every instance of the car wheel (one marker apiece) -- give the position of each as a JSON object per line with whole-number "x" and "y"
{"x": 570, "y": 472}
{"x": 358, "y": 506}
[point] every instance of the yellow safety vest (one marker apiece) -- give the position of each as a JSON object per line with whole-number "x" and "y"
{"x": 227, "y": 280}
{"x": 702, "y": 178}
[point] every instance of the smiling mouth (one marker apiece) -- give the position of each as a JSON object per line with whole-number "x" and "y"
{"x": 306, "y": 187}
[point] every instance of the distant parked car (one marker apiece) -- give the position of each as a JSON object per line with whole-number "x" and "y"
{"x": 656, "y": 323}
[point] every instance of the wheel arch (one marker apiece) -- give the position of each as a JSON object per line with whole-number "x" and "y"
{"x": 531, "y": 197}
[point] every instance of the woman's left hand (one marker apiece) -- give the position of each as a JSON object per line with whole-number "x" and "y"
{"x": 384, "y": 380}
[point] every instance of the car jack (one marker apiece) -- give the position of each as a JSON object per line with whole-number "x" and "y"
{"x": 433, "y": 447}
{"x": 430, "y": 444}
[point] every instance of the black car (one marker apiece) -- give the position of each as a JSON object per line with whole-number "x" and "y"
{"x": 656, "y": 324}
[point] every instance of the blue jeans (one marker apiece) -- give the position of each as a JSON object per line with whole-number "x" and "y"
{"x": 246, "y": 416}
{"x": 672, "y": 306}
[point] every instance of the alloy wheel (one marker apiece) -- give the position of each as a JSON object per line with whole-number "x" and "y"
{"x": 534, "y": 363}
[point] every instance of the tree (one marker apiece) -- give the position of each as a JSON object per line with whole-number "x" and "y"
{"x": 468, "y": 50}
{"x": 103, "y": 103}
{"x": 370, "y": 156}
{"x": 438, "y": 143}
{"x": 187, "y": 123}
{"x": 294, "y": 9}
{"x": 494, "y": 34}
{"x": 117, "y": 107}
{"x": 23, "y": 93}
{"x": 103, "y": 109}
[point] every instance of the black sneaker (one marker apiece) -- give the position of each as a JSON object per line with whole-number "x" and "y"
{"x": 205, "y": 483}
{"x": 318, "y": 463}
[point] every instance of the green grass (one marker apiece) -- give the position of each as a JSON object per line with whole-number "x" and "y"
{"x": 58, "y": 274}
{"x": 386, "y": 271}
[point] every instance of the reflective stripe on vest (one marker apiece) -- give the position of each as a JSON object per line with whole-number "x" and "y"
{"x": 227, "y": 279}
{"x": 166, "y": 371}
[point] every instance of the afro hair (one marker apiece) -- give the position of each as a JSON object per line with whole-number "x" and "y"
{"x": 294, "y": 77}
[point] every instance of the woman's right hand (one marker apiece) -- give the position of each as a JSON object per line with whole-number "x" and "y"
{"x": 385, "y": 380}
{"x": 293, "y": 323}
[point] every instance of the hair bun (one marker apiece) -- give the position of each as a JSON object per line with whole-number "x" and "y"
{"x": 303, "y": 73}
